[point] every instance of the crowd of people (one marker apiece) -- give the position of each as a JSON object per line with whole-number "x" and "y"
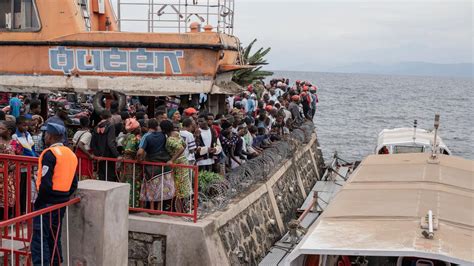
{"x": 183, "y": 135}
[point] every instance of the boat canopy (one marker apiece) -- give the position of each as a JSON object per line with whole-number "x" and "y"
{"x": 380, "y": 210}
{"x": 407, "y": 141}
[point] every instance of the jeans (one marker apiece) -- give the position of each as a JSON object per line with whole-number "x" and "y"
{"x": 52, "y": 251}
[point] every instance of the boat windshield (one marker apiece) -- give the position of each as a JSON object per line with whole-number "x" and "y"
{"x": 408, "y": 149}
{"x": 18, "y": 15}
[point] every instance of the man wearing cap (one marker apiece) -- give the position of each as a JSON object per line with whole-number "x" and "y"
{"x": 191, "y": 112}
{"x": 59, "y": 118}
{"x": 56, "y": 182}
{"x": 314, "y": 99}
{"x": 295, "y": 110}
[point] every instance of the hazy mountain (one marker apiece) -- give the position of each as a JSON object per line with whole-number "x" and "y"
{"x": 409, "y": 68}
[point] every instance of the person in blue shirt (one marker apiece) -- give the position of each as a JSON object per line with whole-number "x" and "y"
{"x": 251, "y": 105}
{"x": 24, "y": 138}
{"x": 15, "y": 105}
{"x": 59, "y": 118}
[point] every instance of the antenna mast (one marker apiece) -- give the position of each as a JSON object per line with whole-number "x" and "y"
{"x": 415, "y": 123}
{"x": 434, "y": 150}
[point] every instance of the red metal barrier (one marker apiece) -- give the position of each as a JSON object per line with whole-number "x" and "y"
{"x": 135, "y": 172}
{"x": 17, "y": 175}
{"x": 20, "y": 172}
{"x": 22, "y": 256}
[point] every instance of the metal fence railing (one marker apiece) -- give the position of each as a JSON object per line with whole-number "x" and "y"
{"x": 17, "y": 235}
{"x": 156, "y": 188}
{"x": 174, "y": 15}
{"x": 17, "y": 189}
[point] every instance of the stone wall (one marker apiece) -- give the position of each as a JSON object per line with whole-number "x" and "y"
{"x": 288, "y": 195}
{"x": 146, "y": 249}
{"x": 243, "y": 232}
{"x": 250, "y": 234}
{"x": 306, "y": 170}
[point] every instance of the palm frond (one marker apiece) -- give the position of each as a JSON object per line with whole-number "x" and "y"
{"x": 244, "y": 77}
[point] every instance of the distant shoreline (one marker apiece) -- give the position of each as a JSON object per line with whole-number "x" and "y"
{"x": 374, "y": 74}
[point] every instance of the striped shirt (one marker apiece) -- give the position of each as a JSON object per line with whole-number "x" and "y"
{"x": 188, "y": 137}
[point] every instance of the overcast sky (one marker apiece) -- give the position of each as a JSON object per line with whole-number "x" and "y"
{"x": 321, "y": 34}
{"x": 318, "y": 35}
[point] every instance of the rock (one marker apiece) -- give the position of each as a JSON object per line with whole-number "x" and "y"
{"x": 225, "y": 241}
{"x": 142, "y": 237}
{"x": 258, "y": 235}
{"x": 245, "y": 230}
{"x": 137, "y": 250}
{"x": 156, "y": 253}
{"x": 250, "y": 222}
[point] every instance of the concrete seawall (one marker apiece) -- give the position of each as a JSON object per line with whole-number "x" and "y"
{"x": 240, "y": 234}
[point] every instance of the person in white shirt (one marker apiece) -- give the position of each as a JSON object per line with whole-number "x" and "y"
{"x": 187, "y": 133}
{"x": 244, "y": 102}
{"x": 230, "y": 103}
{"x": 273, "y": 96}
{"x": 208, "y": 145}
{"x": 81, "y": 147}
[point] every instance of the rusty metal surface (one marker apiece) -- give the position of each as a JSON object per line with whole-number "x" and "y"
{"x": 74, "y": 58}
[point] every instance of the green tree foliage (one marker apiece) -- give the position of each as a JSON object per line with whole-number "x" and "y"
{"x": 245, "y": 77}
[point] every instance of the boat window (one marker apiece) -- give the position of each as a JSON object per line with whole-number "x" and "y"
{"x": 18, "y": 15}
{"x": 408, "y": 149}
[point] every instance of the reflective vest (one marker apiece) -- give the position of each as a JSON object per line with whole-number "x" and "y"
{"x": 64, "y": 170}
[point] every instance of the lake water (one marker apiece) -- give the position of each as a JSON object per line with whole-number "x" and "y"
{"x": 354, "y": 108}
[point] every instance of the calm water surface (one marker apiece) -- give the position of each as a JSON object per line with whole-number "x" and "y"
{"x": 354, "y": 108}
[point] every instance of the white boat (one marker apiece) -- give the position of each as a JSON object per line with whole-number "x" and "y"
{"x": 409, "y": 140}
{"x": 398, "y": 209}
{"x": 408, "y": 207}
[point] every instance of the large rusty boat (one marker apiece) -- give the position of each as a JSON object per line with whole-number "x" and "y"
{"x": 78, "y": 46}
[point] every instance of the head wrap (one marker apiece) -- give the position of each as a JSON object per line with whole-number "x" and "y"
{"x": 171, "y": 113}
{"x": 131, "y": 124}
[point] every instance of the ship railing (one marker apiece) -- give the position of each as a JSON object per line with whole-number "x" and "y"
{"x": 17, "y": 235}
{"x": 152, "y": 184}
{"x": 174, "y": 15}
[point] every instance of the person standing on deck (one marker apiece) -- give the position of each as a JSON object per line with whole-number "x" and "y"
{"x": 56, "y": 182}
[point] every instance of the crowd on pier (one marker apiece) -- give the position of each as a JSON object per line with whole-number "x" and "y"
{"x": 184, "y": 135}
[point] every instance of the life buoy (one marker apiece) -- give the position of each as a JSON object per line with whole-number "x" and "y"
{"x": 98, "y": 100}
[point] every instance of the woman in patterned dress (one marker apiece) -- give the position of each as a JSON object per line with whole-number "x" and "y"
{"x": 7, "y": 146}
{"x": 130, "y": 147}
{"x": 175, "y": 146}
